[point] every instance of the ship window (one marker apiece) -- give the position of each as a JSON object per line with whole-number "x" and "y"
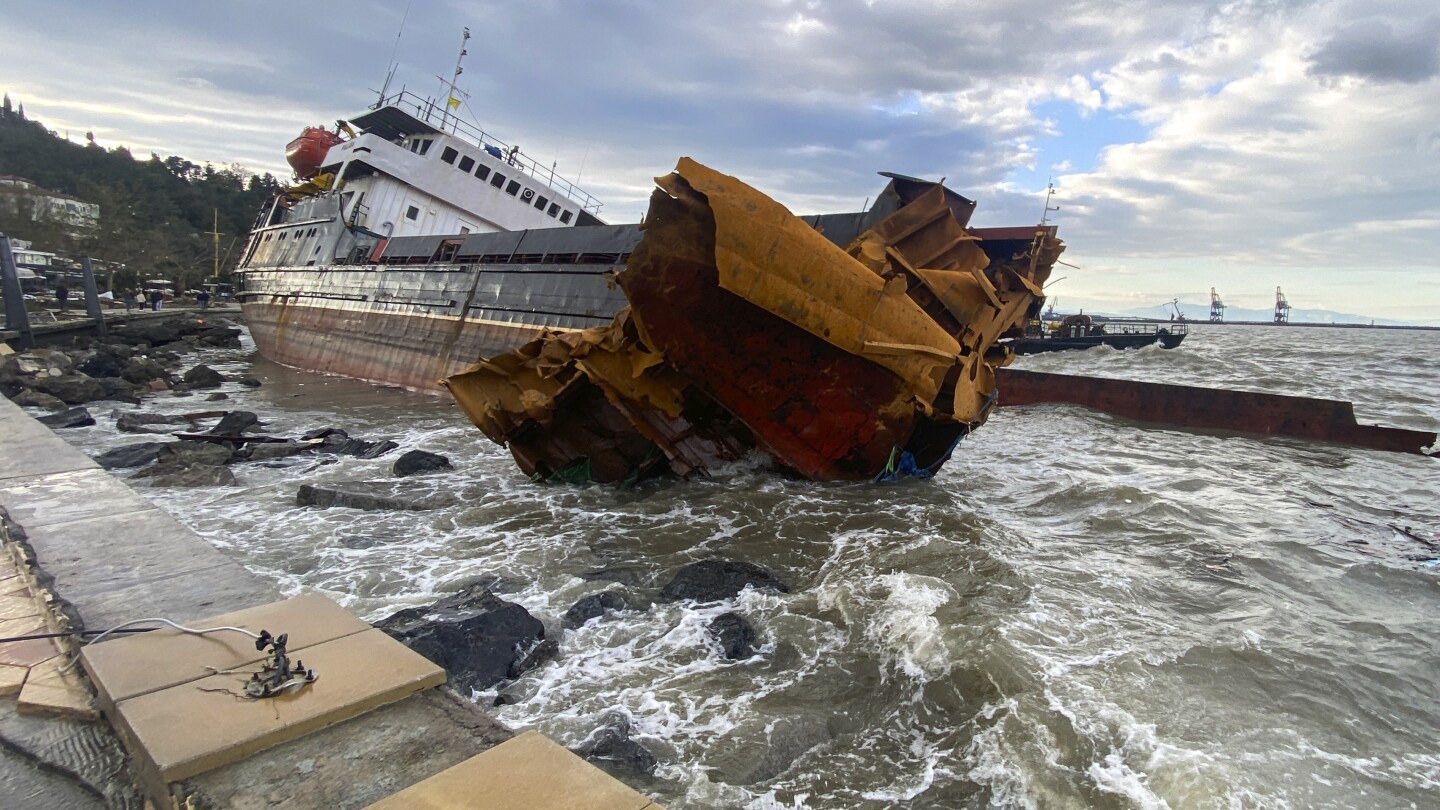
{"x": 541, "y": 202}
{"x": 565, "y": 216}
{"x": 554, "y": 210}
{"x": 466, "y": 163}
{"x": 513, "y": 188}
{"x": 449, "y": 154}
{"x": 412, "y": 213}
{"x": 482, "y": 171}
{"x": 425, "y": 145}
{"x": 498, "y": 180}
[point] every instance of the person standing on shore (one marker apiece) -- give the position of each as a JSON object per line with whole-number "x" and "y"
{"x": 127, "y": 299}
{"x": 62, "y": 294}
{"x": 140, "y": 298}
{"x": 203, "y": 297}
{"x": 155, "y": 298}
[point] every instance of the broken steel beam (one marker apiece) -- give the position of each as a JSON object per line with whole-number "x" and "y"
{"x": 1189, "y": 406}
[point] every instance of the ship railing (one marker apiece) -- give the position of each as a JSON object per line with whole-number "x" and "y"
{"x": 440, "y": 117}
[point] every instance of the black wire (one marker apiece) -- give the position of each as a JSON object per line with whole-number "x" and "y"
{"x": 75, "y": 633}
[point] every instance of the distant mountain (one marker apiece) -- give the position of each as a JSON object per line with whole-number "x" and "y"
{"x": 1201, "y": 312}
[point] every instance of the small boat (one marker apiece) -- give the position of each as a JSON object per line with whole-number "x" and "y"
{"x": 1083, "y": 332}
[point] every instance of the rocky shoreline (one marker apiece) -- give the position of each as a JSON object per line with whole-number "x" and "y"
{"x": 483, "y": 641}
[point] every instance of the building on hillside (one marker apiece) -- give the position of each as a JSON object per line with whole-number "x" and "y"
{"x": 78, "y": 215}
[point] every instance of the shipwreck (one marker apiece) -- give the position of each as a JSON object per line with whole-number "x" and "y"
{"x": 751, "y": 329}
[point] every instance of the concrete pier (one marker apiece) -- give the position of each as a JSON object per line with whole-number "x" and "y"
{"x": 89, "y": 552}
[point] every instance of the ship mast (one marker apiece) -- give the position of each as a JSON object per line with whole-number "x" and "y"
{"x": 1049, "y": 195}
{"x": 453, "y": 97}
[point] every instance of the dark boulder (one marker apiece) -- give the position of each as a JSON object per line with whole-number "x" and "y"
{"x": 149, "y": 423}
{"x": 72, "y": 389}
{"x": 249, "y": 381}
{"x": 324, "y": 433}
{"x": 118, "y": 390}
{"x": 479, "y": 638}
{"x": 372, "y": 495}
{"x": 202, "y": 376}
{"x": 207, "y": 454}
{"x": 224, "y": 337}
{"x": 419, "y": 461}
{"x": 155, "y": 333}
{"x": 713, "y": 580}
{"x": 191, "y": 464}
{"x": 68, "y": 418}
{"x": 611, "y": 744}
{"x": 130, "y": 455}
{"x": 218, "y": 396}
{"x": 35, "y": 399}
{"x": 589, "y": 607}
{"x": 234, "y": 423}
{"x": 141, "y": 370}
{"x": 269, "y": 451}
{"x": 734, "y": 635}
{"x": 340, "y": 443}
{"x": 99, "y": 364}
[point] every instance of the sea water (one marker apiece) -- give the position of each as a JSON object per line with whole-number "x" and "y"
{"x": 1076, "y": 612}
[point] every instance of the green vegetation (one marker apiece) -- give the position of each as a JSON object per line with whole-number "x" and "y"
{"x": 155, "y": 215}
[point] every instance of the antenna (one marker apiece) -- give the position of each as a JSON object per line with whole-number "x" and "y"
{"x": 454, "y": 98}
{"x": 390, "y": 74}
{"x": 1049, "y": 193}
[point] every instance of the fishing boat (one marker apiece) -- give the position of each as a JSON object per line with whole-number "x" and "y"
{"x": 1083, "y": 332}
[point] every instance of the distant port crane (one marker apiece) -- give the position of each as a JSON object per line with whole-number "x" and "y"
{"x": 1217, "y": 307}
{"x": 1282, "y": 307}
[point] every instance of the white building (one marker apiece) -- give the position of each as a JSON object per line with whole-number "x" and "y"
{"x": 78, "y": 214}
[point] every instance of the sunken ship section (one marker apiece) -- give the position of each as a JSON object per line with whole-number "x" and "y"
{"x": 751, "y": 329}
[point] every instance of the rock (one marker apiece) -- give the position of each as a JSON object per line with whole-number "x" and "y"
{"x": 187, "y": 476}
{"x": 57, "y": 362}
{"x": 713, "y": 580}
{"x": 589, "y": 607}
{"x": 118, "y": 390}
{"x": 142, "y": 370}
{"x": 234, "y": 423}
{"x": 325, "y": 433}
{"x": 130, "y": 455}
{"x": 224, "y": 337}
{"x": 269, "y": 451}
{"x": 249, "y": 381}
{"x": 148, "y": 423}
{"x": 419, "y": 461}
{"x": 35, "y": 399}
{"x": 734, "y": 635}
{"x": 68, "y": 418}
{"x": 338, "y": 442}
{"x": 611, "y": 743}
{"x": 479, "y": 638}
{"x": 155, "y": 333}
{"x": 372, "y": 495}
{"x": 203, "y": 376}
{"x": 189, "y": 453}
{"x": 217, "y": 397}
{"x": 99, "y": 364}
{"x": 377, "y": 449}
{"x": 73, "y": 389}
{"x": 629, "y": 575}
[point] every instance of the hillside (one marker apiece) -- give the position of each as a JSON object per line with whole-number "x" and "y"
{"x": 155, "y": 214}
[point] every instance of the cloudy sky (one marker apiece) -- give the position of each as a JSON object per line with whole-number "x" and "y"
{"x": 1241, "y": 145}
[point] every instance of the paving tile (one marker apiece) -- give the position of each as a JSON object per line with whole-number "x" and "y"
{"x": 191, "y": 728}
{"x": 27, "y": 653}
{"x": 529, "y": 771}
{"x": 123, "y": 667}
{"x": 11, "y": 679}
{"x": 48, "y": 690}
{"x": 18, "y": 607}
{"x": 14, "y": 586}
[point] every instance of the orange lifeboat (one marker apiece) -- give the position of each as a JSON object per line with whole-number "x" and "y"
{"x": 306, "y": 154}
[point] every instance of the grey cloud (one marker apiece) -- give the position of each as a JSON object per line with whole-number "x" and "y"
{"x": 1382, "y": 51}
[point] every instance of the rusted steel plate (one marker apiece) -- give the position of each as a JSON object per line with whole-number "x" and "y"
{"x": 1189, "y": 406}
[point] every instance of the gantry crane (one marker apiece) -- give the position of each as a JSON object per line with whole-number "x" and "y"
{"x": 1282, "y": 307}
{"x": 1217, "y": 307}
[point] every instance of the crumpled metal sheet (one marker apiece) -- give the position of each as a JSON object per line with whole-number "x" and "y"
{"x": 747, "y": 330}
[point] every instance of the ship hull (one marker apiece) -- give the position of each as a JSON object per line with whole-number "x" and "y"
{"x": 414, "y": 327}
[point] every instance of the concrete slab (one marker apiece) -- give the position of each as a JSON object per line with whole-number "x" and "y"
{"x": 123, "y": 667}
{"x": 27, "y": 653}
{"x": 183, "y": 597}
{"x": 30, "y": 448}
{"x": 44, "y": 500}
{"x": 529, "y": 771}
{"x": 189, "y": 729}
{"x": 52, "y": 689}
{"x": 11, "y": 679}
{"x": 18, "y": 607}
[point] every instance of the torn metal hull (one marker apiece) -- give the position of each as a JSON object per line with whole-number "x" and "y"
{"x": 749, "y": 329}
